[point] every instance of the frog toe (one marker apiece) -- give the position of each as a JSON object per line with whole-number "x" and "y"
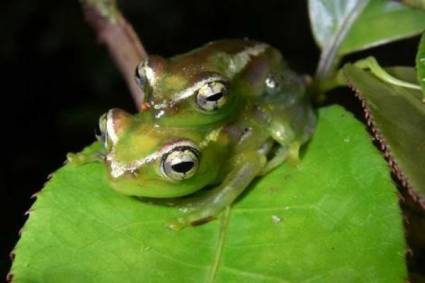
{"x": 81, "y": 158}
{"x": 294, "y": 153}
{"x": 194, "y": 218}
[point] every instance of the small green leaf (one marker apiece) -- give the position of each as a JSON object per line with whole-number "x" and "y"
{"x": 330, "y": 22}
{"x": 342, "y": 27}
{"x": 328, "y": 17}
{"x": 420, "y": 63}
{"x": 383, "y": 21}
{"x": 398, "y": 119}
{"x": 334, "y": 218}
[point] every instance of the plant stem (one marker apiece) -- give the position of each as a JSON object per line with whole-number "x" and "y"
{"x": 113, "y": 30}
{"x": 373, "y": 65}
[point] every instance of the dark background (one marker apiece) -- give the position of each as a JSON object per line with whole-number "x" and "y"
{"x": 56, "y": 80}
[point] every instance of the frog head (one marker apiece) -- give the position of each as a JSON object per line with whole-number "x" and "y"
{"x": 199, "y": 87}
{"x": 146, "y": 159}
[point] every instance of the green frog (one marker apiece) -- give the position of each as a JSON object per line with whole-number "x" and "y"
{"x": 213, "y": 120}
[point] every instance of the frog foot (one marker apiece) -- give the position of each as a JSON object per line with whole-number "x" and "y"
{"x": 193, "y": 218}
{"x": 294, "y": 153}
{"x": 82, "y": 158}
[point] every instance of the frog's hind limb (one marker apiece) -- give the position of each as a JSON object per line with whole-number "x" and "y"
{"x": 246, "y": 168}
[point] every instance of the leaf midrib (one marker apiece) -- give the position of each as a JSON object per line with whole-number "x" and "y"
{"x": 224, "y": 223}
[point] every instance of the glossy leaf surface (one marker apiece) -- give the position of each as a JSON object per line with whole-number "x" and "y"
{"x": 329, "y": 18}
{"x": 379, "y": 22}
{"x": 383, "y": 21}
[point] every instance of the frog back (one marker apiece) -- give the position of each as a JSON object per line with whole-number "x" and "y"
{"x": 276, "y": 96}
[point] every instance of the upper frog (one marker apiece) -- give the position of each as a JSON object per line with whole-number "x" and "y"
{"x": 207, "y": 85}
{"x": 220, "y": 116}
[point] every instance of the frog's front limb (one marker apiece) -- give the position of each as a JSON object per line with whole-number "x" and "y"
{"x": 279, "y": 157}
{"x": 246, "y": 168}
{"x": 282, "y": 153}
{"x": 286, "y": 138}
{"x": 90, "y": 154}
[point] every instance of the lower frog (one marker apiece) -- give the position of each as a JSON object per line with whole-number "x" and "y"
{"x": 271, "y": 118}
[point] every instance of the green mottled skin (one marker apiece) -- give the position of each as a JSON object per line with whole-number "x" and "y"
{"x": 264, "y": 121}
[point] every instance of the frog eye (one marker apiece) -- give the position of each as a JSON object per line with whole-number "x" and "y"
{"x": 140, "y": 73}
{"x": 111, "y": 125}
{"x": 147, "y": 71}
{"x": 180, "y": 163}
{"x": 211, "y": 96}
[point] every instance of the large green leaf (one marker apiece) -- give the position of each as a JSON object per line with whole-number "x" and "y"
{"x": 334, "y": 218}
{"x": 420, "y": 63}
{"x": 398, "y": 117}
{"x": 383, "y": 21}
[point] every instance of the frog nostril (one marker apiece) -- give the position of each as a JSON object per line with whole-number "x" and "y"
{"x": 183, "y": 167}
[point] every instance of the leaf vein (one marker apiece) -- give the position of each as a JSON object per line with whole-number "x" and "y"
{"x": 220, "y": 244}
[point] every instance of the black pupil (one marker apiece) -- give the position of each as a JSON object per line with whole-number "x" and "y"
{"x": 215, "y": 96}
{"x": 183, "y": 167}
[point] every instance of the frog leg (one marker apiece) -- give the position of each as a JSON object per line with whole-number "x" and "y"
{"x": 285, "y": 136}
{"x": 279, "y": 157}
{"x": 213, "y": 202}
{"x": 294, "y": 153}
{"x": 89, "y": 154}
{"x": 82, "y": 158}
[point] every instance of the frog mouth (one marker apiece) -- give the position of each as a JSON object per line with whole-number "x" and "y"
{"x": 119, "y": 168}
